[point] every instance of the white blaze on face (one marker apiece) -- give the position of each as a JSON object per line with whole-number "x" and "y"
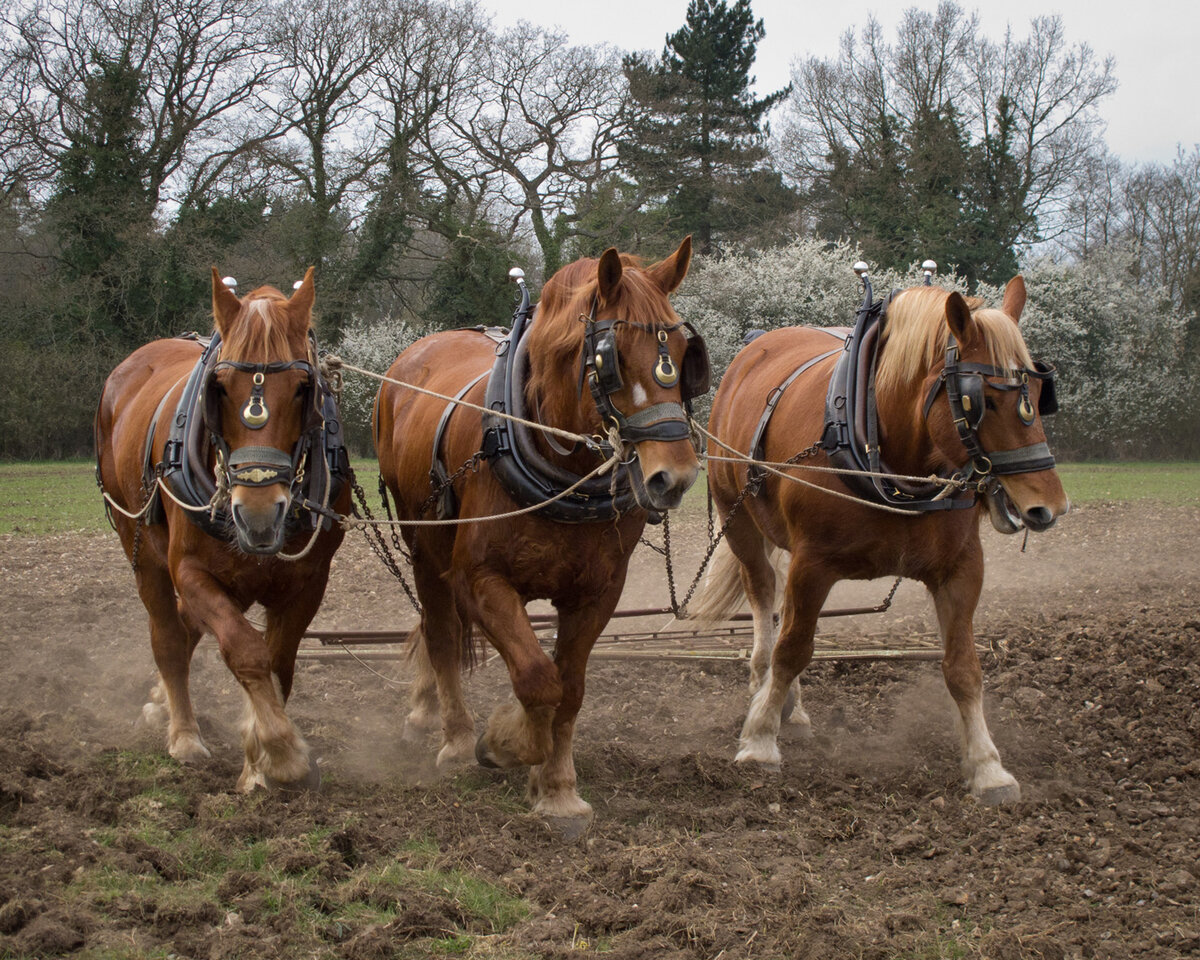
{"x": 639, "y": 395}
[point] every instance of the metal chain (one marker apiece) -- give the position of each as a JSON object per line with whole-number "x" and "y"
{"x": 375, "y": 541}
{"x": 472, "y": 464}
{"x": 752, "y": 485}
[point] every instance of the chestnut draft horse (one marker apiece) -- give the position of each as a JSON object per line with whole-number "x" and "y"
{"x": 258, "y": 420}
{"x": 937, "y": 353}
{"x": 641, "y": 368}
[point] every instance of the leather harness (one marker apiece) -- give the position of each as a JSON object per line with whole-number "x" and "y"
{"x": 851, "y": 434}
{"x": 185, "y": 464}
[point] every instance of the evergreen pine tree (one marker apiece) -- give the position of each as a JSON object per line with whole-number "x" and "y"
{"x": 698, "y": 145}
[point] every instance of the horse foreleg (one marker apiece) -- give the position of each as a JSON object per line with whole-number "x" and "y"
{"x": 285, "y": 626}
{"x": 807, "y": 587}
{"x": 275, "y": 751}
{"x": 518, "y": 733}
{"x": 955, "y": 601}
{"x": 172, "y": 641}
{"x": 552, "y": 785}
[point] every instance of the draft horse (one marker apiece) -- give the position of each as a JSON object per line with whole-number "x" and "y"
{"x": 606, "y": 322}
{"x": 954, "y": 393}
{"x": 247, "y": 412}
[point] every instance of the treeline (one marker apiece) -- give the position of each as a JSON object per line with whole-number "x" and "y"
{"x": 413, "y": 153}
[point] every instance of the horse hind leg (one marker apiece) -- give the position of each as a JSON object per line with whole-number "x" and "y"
{"x": 441, "y": 651}
{"x": 423, "y": 715}
{"x": 756, "y": 563}
{"x": 807, "y": 587}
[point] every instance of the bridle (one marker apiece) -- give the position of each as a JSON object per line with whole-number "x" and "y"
{"x": 260, "y": 466}
{"x": 600, "y": 367}
{"x": 964, "y": 384}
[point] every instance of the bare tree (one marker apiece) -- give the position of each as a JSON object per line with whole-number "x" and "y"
{"x": 1047, "y": 90}
{"x": 1026, "y": 108}
{"x": 197, "y": 62}
{"x": 1162, "y": 207}
{"x": 543, "y": 127}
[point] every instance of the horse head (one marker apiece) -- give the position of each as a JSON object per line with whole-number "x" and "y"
{"x": 262, "y": 405}
{"x": 610, "y": 320}
{"x": 981, "y": 400}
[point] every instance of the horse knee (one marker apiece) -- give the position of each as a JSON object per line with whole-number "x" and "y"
{"x": 538, "y": 685}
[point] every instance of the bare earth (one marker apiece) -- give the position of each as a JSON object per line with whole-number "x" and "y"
{"x": 864, "y": 846}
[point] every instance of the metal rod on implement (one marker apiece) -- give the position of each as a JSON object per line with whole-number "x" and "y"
{"x": 339, "y": 637}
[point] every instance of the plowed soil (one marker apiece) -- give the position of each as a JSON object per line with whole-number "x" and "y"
{"x": 865, "y": 845}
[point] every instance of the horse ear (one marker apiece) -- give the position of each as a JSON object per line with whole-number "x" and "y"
{"x": 958, "y": 317}
{"x": 670, "y": 273}
{"x": 302, "y": 299}
{"x": 226, "y": 305}
{"x": 1014, "y": 298}
{"x": 608, "y": 274}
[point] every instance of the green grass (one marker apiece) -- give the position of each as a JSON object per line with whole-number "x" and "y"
{"x": 61, "y": 497}
{"x": 302, "y": 897}
{"x": 1177, "y": 482}
{"x": 58, "y": 497}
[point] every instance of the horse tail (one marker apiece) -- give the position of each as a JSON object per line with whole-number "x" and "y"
{"x": 472, "y": 648}
{"x": 723, "y": 592}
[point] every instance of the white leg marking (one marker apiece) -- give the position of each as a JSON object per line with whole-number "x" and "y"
{"x": 985, "y": 776}
{"x": 759, "y": 740}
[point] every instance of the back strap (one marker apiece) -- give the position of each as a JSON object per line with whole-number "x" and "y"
{"x": 756, "y": 473}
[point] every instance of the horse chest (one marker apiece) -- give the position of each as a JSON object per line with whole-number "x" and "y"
{"x": 565, "y": 563}
{"x": 921, "y": 548}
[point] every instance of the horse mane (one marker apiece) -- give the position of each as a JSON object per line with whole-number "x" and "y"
{"x": 557, "y": 336}
{"x": 915, "y": 337}
{"x": 264, "y": 329}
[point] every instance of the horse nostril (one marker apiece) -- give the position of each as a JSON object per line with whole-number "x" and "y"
{"x": 1039, "y": 518}
{"x": 665, "y": 489}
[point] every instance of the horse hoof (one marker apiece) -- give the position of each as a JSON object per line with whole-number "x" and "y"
{"x": 456, "y": 752}
{"x": 995, "y": 796}
{"x": 483, "y": 756}
{"x": 189, "y": 750}
{"x": 568, "y": 829}
{"x": 309, "y": 783}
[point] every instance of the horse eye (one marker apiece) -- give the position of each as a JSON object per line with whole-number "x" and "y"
{"x": 989, "y": 403}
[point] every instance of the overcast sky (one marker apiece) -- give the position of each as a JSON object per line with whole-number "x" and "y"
{"x": 1155, "y": 42}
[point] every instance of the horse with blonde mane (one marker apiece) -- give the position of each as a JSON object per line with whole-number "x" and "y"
{"x": 958, "y": 396}
{"x": 223, "y": 468}
{"x": 607, "y": 323}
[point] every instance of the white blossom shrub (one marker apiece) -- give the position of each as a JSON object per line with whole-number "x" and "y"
{"x": 1128, "y": 371}
{"x": 1124, "y": 371}
{"x": 372, "y": 346}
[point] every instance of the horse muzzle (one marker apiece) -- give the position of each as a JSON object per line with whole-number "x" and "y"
{"x": 259, "y": 479}
{"x": 260, "y": 530}
{"x": 1007, "y": 517}
{"x": 665, "y": 488}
